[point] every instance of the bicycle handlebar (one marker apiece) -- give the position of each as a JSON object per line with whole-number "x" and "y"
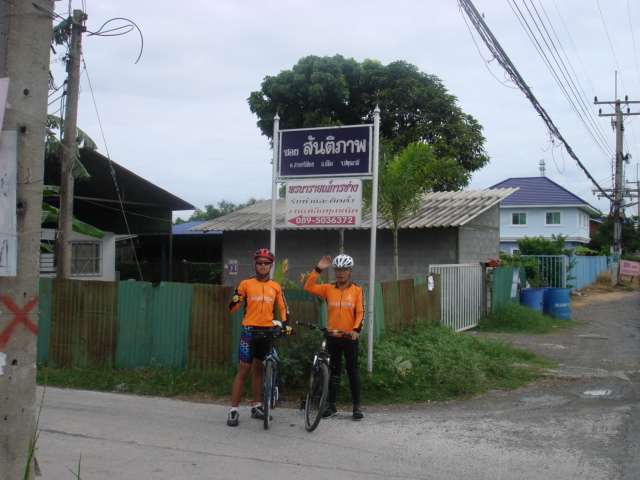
{"x": 271, "y": 332}
{"x": 313, "y": 326}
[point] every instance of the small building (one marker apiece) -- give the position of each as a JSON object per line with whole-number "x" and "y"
{"x": 187, "y": 246}
{"x": 450, "y": 228}
{"x": 116, "y": 201}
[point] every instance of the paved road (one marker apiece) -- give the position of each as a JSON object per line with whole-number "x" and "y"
{"x": 584, "y": 424}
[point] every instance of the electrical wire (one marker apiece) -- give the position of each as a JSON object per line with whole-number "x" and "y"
{"x": 111, "y": 169}
{"x": 108, "y": 33}
{"x": 502, "y": 58}
{"x": 564, "y": 79}
{"x": 615, "y": 59}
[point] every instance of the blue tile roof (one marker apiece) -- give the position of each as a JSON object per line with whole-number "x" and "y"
{"x": 183, "y": 228}
{"x": 537, "y": 191}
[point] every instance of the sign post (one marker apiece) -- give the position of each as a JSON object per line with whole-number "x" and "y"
{"x": 324, "y": 169}
{"x": 374, "y": 230}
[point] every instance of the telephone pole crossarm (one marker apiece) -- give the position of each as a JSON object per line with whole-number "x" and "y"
{"x": 619, "y": 192}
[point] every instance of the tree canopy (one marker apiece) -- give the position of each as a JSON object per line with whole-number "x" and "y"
{"x": 404, "y": 179}
{"x": 210, "y": 212}
{"x": 602, "y": 239}
{"x": 415, "y": 106}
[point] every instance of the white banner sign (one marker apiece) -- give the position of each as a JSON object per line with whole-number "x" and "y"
{"x": 324, "y": 203}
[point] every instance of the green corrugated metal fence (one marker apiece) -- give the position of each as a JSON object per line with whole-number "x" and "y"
{"x": 176, "y": 325}
{"x": 504, "y": 287}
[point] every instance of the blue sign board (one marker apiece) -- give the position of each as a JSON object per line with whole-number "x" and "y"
{"x": 324, "y": 152}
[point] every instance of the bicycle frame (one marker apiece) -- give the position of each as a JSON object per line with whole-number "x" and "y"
{"x": 270, "y": 373}
{"x": 319, "y": 381}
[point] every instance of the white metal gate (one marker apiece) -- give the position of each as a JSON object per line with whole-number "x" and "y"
{"x": 461, "y": 298}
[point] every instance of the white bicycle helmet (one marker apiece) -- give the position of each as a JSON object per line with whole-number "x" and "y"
{"x": 342, "y": 261}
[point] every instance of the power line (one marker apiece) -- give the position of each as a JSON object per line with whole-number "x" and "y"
{"x": 502, "y": 58}
{"x": 568, "y": 86}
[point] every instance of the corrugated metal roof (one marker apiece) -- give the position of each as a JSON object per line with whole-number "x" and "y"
{"x": 439, "y": 209}
{"x": 540, "y": 191}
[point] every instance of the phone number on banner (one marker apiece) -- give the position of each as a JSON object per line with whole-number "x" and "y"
{"x": 328, "y": 220}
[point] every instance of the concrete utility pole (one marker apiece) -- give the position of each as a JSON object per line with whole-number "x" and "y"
{"x": 634, "y": 193}
{"x": 618, "y": 192}
{"x": 25, "y": 42}
{"x": 68, "y": 150}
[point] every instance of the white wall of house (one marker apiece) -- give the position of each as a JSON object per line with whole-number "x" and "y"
{"x": 545, "y": 221}
{"x": 92, "y": 258}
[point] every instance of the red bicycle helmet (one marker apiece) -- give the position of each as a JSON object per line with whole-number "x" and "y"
{"x": 264, "y": 252}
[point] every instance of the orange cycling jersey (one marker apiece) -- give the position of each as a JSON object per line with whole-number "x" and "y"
{"x": 259, "y": 299}
{"x": 346, "y": 307}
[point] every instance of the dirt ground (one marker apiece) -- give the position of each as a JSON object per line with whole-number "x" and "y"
{"x": 604, "y": 292}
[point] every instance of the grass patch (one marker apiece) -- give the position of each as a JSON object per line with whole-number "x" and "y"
{"x": 419, "y": 364}
{"x": 517, "y": 318}
{"x": 427, "y": 363}
{"x": 159, "y": 382}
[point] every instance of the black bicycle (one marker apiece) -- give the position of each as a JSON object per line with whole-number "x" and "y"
{"x": 316, "y": 398}
{"x": 270, "y": 372}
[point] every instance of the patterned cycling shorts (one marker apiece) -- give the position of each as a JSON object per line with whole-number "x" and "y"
{"x": 251, "y": 348}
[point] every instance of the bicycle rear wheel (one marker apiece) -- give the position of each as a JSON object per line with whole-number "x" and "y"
{"x": 316, "y": 397}
{"x": 268, "y": 378}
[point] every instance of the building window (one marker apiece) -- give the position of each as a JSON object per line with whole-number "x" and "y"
{"x": 552, "y": 218}
{"x": 519, "y": 218}
{"x": 515, "y": 251}
{"x": 86, "y": 259}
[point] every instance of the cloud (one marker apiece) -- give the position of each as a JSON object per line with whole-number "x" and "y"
{"x": 179, "y": 118}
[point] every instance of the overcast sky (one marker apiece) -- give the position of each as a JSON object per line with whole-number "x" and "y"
{"x": 180, "y": 119}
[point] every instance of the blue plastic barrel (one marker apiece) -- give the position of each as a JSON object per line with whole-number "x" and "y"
{"x": 532, "y": 298}
{"x": 545, "y": 300}
{"x": 559, "y": 303}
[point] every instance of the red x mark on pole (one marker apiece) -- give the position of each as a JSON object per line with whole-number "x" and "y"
{"x": 20, "y": 317}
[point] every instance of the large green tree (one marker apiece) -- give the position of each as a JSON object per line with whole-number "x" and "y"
{"x": 602, "y": 239}
{"x": 415, "y": 106}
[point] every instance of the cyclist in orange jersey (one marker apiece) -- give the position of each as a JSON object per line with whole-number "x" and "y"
{"x": 260, "y": 295}
{"x": 345, "y": 301}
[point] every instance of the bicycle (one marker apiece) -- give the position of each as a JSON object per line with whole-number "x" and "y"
{"x": 316, "y": 398}
{"x": 270, "y": 372}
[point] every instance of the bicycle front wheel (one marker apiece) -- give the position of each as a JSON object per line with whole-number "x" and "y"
{"x": 316, "y": 397}
{"x": 268, "y": 390}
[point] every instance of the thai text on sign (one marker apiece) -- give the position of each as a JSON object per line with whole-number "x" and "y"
{"x": 324, "y": 152}
{"x": 324, "y": 203}
{"x": 628, "y": 267}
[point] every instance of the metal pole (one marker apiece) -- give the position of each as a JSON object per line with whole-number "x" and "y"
{"x": 274, "y": 186}
{"x": 374, "y": 225}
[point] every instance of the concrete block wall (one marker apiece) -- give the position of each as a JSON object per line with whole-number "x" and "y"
{"x": 418, "y": 249}
{"x": 480, "y": 238}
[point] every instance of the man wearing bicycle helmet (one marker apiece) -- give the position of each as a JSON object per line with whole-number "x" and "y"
{"x": 260, "y": 295}
{"x": 345, "y": 301}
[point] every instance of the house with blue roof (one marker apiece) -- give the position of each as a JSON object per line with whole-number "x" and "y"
{"x": 541, "y": 207}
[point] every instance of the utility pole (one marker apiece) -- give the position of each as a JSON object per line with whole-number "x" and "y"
{"x": 617, "y": 208}
{"x": 634, "y": 193}
{"x": 68, "y": 151}
{"x": 25, "y": 44}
